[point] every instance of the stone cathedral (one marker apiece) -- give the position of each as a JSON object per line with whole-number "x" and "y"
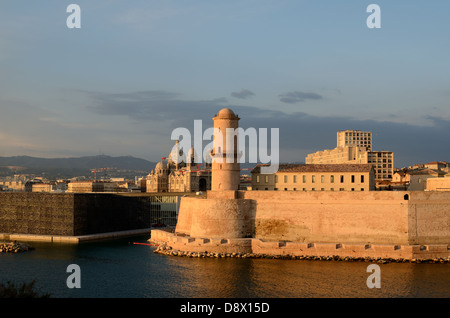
{"x": 170, "y": 176}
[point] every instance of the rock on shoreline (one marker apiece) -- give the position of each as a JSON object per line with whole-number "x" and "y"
{"x": 14, "y": 247}
{"x": 167, "y": 250}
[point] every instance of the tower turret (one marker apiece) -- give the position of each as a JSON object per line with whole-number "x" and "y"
{"x": 225, "y": 162}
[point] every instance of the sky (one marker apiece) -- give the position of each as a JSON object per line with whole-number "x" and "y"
{"x": 136, "y": 70}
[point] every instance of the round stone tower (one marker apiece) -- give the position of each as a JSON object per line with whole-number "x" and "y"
{"x": 225, "y": 162}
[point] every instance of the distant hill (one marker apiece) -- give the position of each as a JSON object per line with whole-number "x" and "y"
{"x": 125, "y": 166}
{"x": 70, "y": 167}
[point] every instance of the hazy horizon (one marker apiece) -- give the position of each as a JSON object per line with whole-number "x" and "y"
{"x": 133, "y": 72}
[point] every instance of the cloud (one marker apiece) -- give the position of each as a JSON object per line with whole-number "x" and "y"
{"x": 154, "y": 106}
{"x": 296, "y": 97}
{"x": 243, "y": 94}
{"x": 300, "y": 133}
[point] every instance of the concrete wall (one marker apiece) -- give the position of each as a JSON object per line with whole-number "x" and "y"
{"x": 72, "y": 214}
{"x": 101, "y": 213}
{"x": 37, "y": 213}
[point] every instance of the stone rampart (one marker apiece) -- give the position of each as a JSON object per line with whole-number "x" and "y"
{"x": 182, "y": 245}
{"x": 399, "y": 224}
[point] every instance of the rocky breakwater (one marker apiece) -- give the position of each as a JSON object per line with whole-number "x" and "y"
{"x": 167, "y": 250}
{"x": 14, "y": 247}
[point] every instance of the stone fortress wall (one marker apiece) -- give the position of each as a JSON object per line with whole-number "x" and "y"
{"x": 371, "y": 224}
{"x": 386, "y": 224}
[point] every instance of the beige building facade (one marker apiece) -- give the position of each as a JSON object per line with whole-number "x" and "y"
{"x": 438, "y": 184}
{"x": 355, "y": 147}
{"x": 438, "y": 165}
{"x": 419, "y": 178}
{"x": 92, "y": 186}
{"x": 355, "y": 138}
{"x": 316, "y": 177}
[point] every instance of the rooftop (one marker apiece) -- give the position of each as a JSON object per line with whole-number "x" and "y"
{"x": 319, "y": 168}
{"x": 226, "y": 113}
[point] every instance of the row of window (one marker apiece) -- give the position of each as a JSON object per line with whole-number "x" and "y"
{"x": 313, "y": 189}
{"x": 313, "y": 179}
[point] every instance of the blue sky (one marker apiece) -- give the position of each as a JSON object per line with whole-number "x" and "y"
{"x": 138, "y": 69}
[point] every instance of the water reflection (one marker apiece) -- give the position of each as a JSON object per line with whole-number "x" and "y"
{"x": 120, "y": 269}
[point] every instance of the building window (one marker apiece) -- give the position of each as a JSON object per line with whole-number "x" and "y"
{"x": 313, "y": 179}
{"x": 342, "y": 179}
{"x": 322, "y": 179}
{"x": 332, "y": 179}
{"x": 353, "y": 179}
{"x": 295, "y": 189}
{"x": 285, "y": 179}
{"x": 362, "y": 179}
{"x": 285, "y": 189}
{"x": 304, "y": 189}
{"x": 267, "y": 179}
{"x": 322, "y": 189}
{"x": 257, "y": 179}
{"x": 332, "y": 189}
{"x": 362, "y": 189}
{"x": 295, "y": 179}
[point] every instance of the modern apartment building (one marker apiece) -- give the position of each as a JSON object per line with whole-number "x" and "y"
{"x": 355, "y": 147}
{"x": 355, "y": 138}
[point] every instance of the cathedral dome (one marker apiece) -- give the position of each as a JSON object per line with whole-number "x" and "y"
{"x": 160, "y": 167}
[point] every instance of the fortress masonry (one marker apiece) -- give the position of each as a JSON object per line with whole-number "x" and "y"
{"x": 386, "y": 224}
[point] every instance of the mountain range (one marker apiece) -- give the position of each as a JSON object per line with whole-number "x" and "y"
{"x": 124, "y": 166}
{"x": 71, "y": 167}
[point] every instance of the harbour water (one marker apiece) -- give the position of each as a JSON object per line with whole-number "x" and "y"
{"x": 121, "y": 269}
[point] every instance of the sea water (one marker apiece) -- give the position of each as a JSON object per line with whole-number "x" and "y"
{"x": 122, "y": 269}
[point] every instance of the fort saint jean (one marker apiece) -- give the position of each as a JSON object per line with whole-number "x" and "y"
{"x": 386, "y": 224}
